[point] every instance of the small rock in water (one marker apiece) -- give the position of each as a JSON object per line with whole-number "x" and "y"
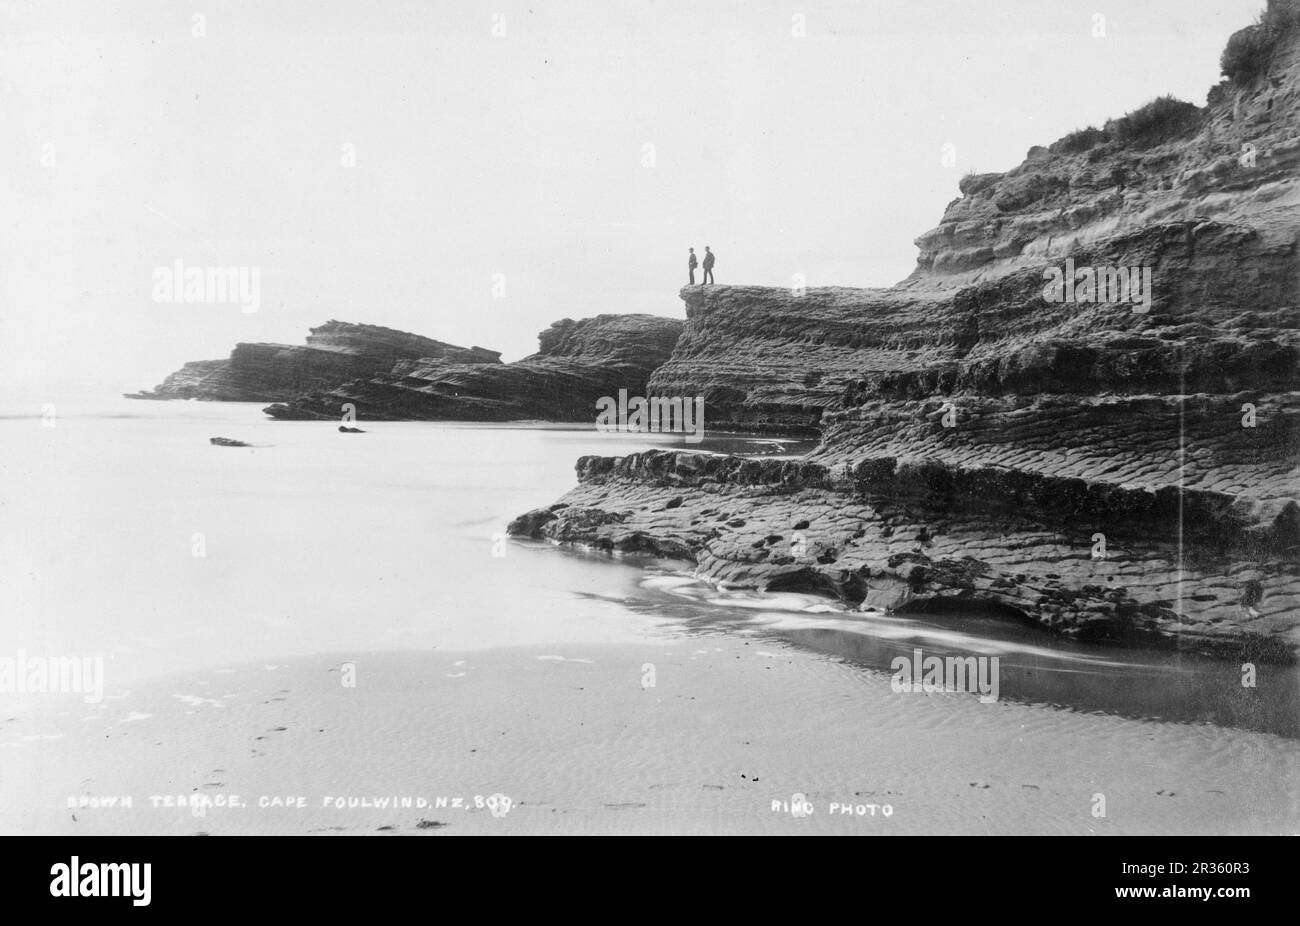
{"x": 346, "y": 430}
{"x": 227, "y": 442}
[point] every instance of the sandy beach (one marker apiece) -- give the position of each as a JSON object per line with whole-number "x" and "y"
{"x": 580, "y": 742}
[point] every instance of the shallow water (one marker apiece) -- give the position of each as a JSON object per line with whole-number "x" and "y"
{"x": 128, "y": 535}
{"x": 1035, "y": 666}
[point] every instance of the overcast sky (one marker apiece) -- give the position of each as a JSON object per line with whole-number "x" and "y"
{"x": 578, "y": 154}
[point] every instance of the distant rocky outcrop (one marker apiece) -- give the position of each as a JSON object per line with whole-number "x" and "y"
{"x": 334, "y": 353}
{"x": 577, "y": 363}
{"x": 1110, "y": 469}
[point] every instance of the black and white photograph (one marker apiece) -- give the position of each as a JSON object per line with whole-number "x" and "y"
{"x": 650, "y": 418}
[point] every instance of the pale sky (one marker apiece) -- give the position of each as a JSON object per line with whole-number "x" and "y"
{"x": 130, "y": 142}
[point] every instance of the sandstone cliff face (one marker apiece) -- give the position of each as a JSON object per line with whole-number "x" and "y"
{"x": 766, "y": 359}
{"x": 578, "y": 362}
{"x": 335, "y": 352}
{"x": 1109, "y": 470}
{"x": 1236, "y": 163}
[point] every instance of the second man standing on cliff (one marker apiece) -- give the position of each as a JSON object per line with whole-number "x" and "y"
{"x": 691, "y": 264}
{"x": 708, "y": 266}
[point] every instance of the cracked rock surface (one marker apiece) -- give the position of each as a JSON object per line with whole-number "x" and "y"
{"x": 1108, "y": 469}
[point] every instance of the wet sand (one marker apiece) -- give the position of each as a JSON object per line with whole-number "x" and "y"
{"x": 579, "y": 742}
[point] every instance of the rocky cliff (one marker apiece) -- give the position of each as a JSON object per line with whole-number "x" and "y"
{"x": 1108, "y": 466}
{"x": 334, "y": 353}
{"x": 577, "y": 363}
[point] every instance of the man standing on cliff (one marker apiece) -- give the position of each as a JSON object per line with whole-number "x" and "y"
{"x": 708, "y": 266}
{"x": 691, "y": 264}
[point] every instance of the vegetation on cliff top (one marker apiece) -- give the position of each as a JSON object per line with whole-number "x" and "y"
{"x": 1247, "y": 55}
{"x": 1250, "y": 50}
{"x": 1163, "y": 119}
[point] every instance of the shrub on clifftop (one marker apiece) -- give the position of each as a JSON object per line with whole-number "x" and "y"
{"x": 1079, "y": 140}
{"x": 1162, "y": 119}
{"x": 1248, "y": 50}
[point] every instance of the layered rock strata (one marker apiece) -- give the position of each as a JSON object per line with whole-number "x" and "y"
{"x": 577, "y": 363}
{"x": 334, "y": 353}
{"x": 1111, "y": 468}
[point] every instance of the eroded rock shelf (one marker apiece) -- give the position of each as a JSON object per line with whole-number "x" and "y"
{"x": 1106, "y": 470}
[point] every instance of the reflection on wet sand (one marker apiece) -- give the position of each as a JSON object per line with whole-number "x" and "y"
{"x": 1035, "y": 666}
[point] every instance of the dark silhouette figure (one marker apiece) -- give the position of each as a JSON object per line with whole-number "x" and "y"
{"x": 691, "y": 264}
{"x": 708, "y": 266}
